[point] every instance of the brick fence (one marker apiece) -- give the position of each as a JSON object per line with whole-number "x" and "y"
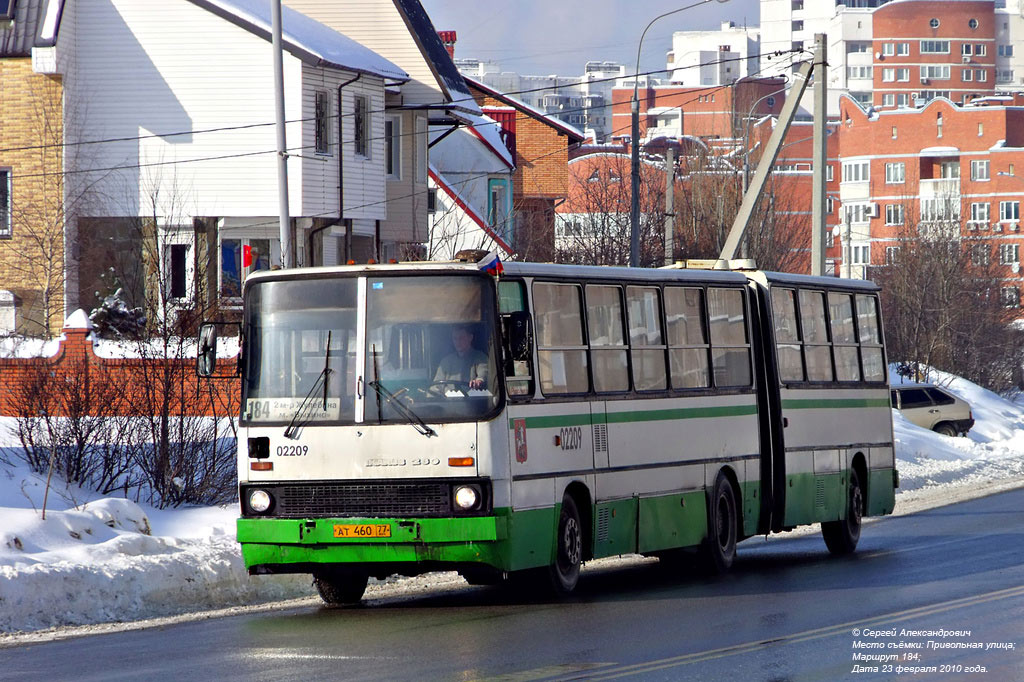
{"x": 76, "y": 367}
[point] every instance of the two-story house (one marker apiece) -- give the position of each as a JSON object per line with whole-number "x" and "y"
{"x": 174, "y": 103}
{"x": 434, "y": 95}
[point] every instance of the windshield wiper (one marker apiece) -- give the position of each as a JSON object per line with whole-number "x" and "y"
{"x": 291, "y": 431}
{"x": 402, "y": 409}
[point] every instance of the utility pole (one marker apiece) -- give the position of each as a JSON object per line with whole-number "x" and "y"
{"x": 287, "y": 251}
{"x": 670, "y": 215}
{"x": 820, "y": 157}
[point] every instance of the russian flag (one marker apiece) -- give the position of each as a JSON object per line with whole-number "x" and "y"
{"x": 491, "y": 264}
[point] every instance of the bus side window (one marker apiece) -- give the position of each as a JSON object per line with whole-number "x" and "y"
{"x": 647, "y": 347}
{"x": 730, "y": 348}
{"x": 844, "y": 341}
{"x": 687, "y": 337}
{"x": 787, "y": 335}
{"x": 607, "y": 339}
{"x": 870, "y": 338}
{"x": 561, "y": 350}
{"x": 517, "y": 339}
{"x": 817, "y": 354}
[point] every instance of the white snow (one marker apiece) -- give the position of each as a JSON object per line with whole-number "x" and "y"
{"x": 110, "y": 560}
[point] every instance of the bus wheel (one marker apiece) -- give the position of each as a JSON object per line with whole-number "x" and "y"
{"x": 343, "y": 587}
{"x": 565, "y": 571}
{"x": 719, "y": 549}
{"x": 841, "y": 536}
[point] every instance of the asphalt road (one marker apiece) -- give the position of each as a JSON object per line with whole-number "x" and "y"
{"x": 951, "y": 577}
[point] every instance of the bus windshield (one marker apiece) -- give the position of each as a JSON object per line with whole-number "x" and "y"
{"x": 429, "y": 353}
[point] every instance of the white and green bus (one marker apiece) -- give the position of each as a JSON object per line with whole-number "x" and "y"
{"x": 418, "y": 417}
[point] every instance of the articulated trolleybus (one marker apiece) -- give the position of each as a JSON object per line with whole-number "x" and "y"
{"x": 431, "y": 416}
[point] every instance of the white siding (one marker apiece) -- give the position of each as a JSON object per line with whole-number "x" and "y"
{"x": 156, "y": 68}
{"x": 364, "y": 178}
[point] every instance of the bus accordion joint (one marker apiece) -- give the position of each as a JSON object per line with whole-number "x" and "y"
{"x": 461, "y": 461}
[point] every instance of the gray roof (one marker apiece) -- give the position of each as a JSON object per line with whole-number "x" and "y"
{"x": 17, "y": 41}
{"x": 437, "y": 57}
{"x": 306, "y": 38}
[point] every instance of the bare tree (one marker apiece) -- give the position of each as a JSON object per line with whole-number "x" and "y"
{"x": 945, "y": 302}
{"x": 46, "y": 203}
{"x": 593, "y": 226}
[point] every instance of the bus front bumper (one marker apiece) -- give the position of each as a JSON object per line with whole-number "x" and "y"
{"x": 296, "y": 545}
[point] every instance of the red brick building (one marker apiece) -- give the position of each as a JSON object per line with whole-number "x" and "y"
{"x": 706, "y": 112}
{"x": 540, "y": 146}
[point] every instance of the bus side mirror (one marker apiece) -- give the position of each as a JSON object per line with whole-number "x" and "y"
{"x": 206, "y": 358}
{"x": 518, "y": 341}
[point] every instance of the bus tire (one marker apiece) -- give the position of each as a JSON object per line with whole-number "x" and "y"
{"x": 719, "y": 548}
{"x": 341, "y": 587}
{"x": 841, "y": 536}
{"x": 564, "y": 573}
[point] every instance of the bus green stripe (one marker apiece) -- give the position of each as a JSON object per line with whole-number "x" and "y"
{"x": 555, "y": 421}
{"x": 833, "y": 403}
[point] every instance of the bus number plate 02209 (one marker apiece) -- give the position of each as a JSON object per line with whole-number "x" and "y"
{"x": 362, "y": 530}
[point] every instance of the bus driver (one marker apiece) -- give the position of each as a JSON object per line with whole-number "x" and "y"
{"x": 466, "y": 365}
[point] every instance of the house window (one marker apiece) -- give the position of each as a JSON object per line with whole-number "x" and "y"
{"x": 322, "y": 120}
{"x": 829, "y": 173}
{"x": 892, "y": 255}
{"x": 889, "y": 100}
{"x": 798, "y": 25}
{"x": 1009, "y": 254}
{"x": 902, "y": 99}
{"x": 857, "y": 213}
{"x": 937, "y": 72}
{"x": 177, "y": 267}
{"x": 979, "y": 212}
{"x": 938, "y": 128}
{"x": 432, "y": 200}
{"x": 980, "y": 75}
{"x": 933, "y": 23}
{"x": 860, "y": 254}
{"x": 393, "y": 146}
{"x": 979, "y": 50}
{"x": 949, "y": 169}
{"x": 895, "y": 173}
{"x": 980, "y": 254}
{"x": 934, "y": 46}
{"x": 889, "y": 49}
{"x": 968, "y": 74}
{"x": 903, "y": 75}
{"x": 902, "y": 49}
{"x": 1009, "y": 211}
{"x": 855, "y": 171}
{"x": 1005, "y": 50}
{"x": 858, "y": 72}
{"x": 5, "y": 203}
{"x": 894, "y": 214}
{"x": 830, "y": 206}
{"x": 238, "y": 259}
{"x": 361, "y": 126}
{"x": 939, "y": 209}
{"x": 1010, "y": 297}
{"x": 966, "y": 49}
{"x": 888, "y": 75}
{"x": 497, "y": 201}
{"x": 979, "y": 170}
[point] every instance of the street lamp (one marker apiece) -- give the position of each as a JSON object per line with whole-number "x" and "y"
{"x": 634, "y": 204}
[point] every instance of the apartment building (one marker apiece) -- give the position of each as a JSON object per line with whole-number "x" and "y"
{"x": 701, "y": 58}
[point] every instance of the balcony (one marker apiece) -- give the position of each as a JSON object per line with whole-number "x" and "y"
{"x": 945, "y": 188}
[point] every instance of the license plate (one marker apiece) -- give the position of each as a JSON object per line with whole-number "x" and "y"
{"x": 362, "y": 530}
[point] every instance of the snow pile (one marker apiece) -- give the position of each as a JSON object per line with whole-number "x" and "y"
{"x": 96, "y": 560}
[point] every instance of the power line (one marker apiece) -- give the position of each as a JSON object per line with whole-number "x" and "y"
{"x": 249, "y": 126}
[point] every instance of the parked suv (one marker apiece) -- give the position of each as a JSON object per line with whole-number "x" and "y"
{"x": 933, "y": 408}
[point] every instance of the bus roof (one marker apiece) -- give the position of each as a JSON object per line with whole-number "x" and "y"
{"x": 555, "y": 270}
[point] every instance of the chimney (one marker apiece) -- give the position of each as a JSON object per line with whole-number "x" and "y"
{"x": 448, "y": 38}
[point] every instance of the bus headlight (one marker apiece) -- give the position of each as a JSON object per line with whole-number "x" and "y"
{"x": 467, "y": 497}
{"x": 259, "y": 501}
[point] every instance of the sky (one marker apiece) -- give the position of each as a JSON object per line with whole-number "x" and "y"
{"x": 542, "y": 37}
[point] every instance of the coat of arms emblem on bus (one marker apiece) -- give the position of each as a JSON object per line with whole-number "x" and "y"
{"x": 520, "y": 427}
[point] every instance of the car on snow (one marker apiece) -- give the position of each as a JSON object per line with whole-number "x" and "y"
{"x": 933, "y": 408}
